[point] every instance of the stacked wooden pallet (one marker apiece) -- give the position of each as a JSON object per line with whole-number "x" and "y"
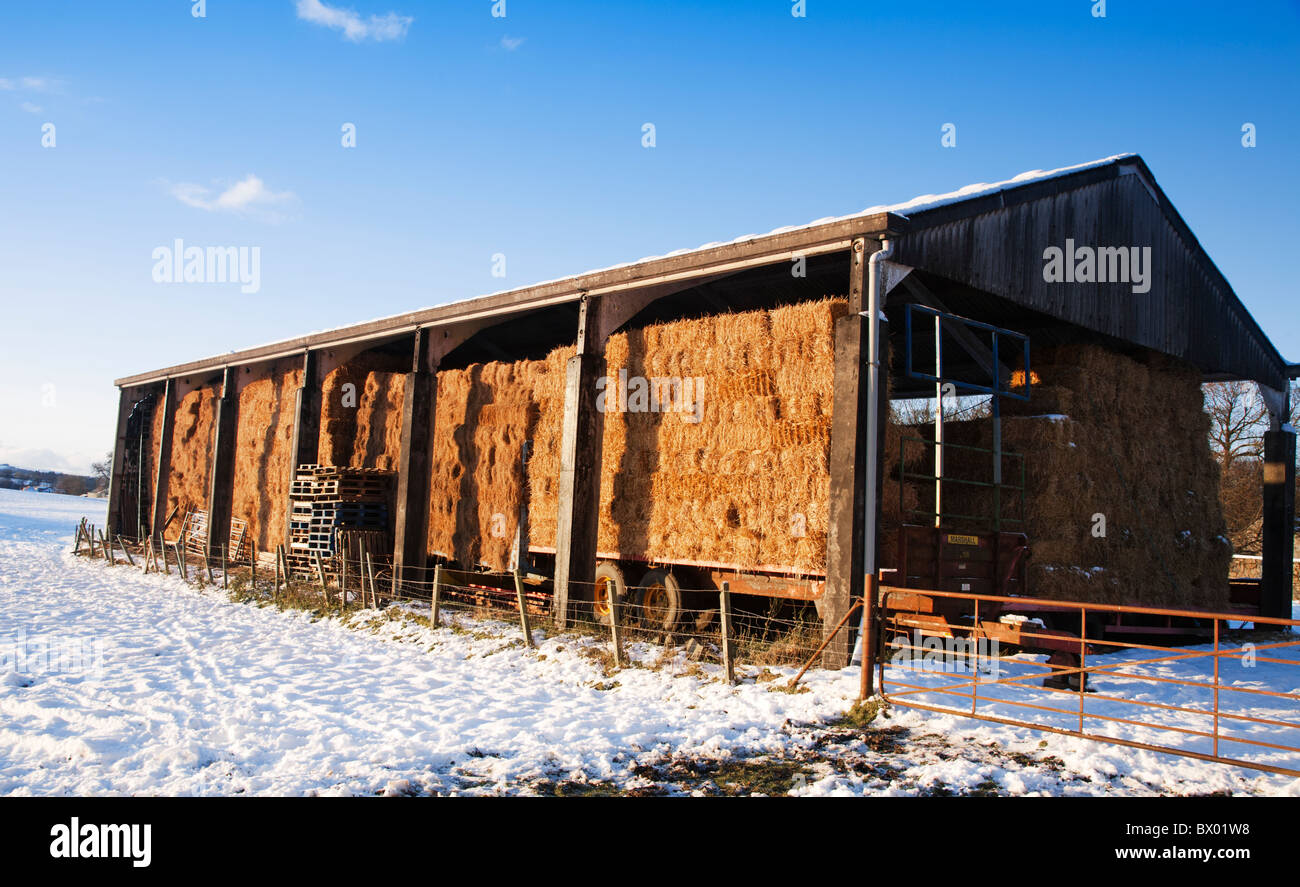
{"x": 327, "y": 501}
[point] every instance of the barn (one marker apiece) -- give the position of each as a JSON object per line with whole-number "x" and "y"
{"x": 723, "y": 413}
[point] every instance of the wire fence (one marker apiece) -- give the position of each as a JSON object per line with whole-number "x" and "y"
{"x": 674, "y": 623}
{"x": 1203, "y": 702}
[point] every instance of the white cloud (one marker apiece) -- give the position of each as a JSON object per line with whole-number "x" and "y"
{"x": 30, "y": 108}
{"x": 510, "y": 44}
{"x": 389, "y": 26}
{"x": 32, "y": 84}
{"x": 249, "y": 195}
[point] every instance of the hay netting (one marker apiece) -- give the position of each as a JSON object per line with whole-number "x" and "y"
{"x": 1106, "y": 434}
{"x": 263, "y": 451}
{"x": 484, "y": 414}
{"x": 361, "y": 425}
{"x": 715, "y": 445}
{"x": 191, "y": 457}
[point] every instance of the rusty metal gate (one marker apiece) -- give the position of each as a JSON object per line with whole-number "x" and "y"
{"x": 1232, "y": 698}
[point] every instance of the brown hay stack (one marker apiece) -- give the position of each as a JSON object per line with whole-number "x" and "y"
{"x": 1122, "y": 437}
{"x": 747, "y": 484}
{"x": 192, "y": 439}
{"x": 263, "y": 456}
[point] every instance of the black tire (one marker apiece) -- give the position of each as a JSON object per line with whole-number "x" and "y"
{"x": 659, "y": 602}
{"x": 608, "y": 576}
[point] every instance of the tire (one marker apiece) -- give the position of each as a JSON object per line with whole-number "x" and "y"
{"x": 659, "y": 602}
{"x": 608, "y": 577}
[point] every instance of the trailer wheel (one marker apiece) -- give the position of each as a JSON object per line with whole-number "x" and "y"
{"x": 609, "y": 579}
{"x": 659, "y": 601}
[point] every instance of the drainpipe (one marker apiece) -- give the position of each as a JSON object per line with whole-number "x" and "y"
{"x": 875, "y": 299}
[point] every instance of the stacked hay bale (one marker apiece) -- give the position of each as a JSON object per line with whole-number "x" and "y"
{"x": 729, "y": 465}
{"x": 485, "y": 413}
{"x": 1127, "y": 438}
{"x": 192, "y": 438}
{"x": 263, "y": 451}
{"x": 361, "y": 426}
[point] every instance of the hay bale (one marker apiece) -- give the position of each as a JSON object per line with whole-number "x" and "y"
{"x": 747, "y": 484}
{"x": 193, "y": 433}
{"x": 1133, "y": 447}
{"x": 263, "y": 451}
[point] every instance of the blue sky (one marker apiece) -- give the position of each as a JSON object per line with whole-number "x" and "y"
{"x": 522, "y": 135}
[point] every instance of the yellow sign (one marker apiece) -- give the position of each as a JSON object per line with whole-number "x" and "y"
{"x": 1274, "y": 473}
{"x": 954, "y": 539}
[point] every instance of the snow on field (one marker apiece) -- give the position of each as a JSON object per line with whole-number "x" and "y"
{"x": 186, "y": 692}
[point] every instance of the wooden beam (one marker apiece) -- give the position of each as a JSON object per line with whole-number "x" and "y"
{"x": 125, "y": 399}
{"x": 221, "y": 486}
{"x": 845, "y": 545}
{"x": 580, "y": 461}
{"x": 306, "y": 429}
{"x": 414, "y": 465}
{"x": 1279, "y": 523}
{"x": 163, "y": 461}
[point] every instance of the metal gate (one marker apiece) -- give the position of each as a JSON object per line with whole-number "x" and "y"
{"x": 1234, "y": 698}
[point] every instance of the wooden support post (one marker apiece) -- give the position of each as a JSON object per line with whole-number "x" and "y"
{"x": 147, "y": 555}
{"x": 523, "y": 612}
{"x": 125, "y": 400}
{"x": 435, "y": 601}
{"x": 374, "y": 589}
{"x": 252, "y": 569}
{"x": 126, "y": 551}
{"x": 305, "y": 447}
{"x": 414, "y": 463}
{"x": 163, "y": 460}
{"x": 76, "y": 542}
{"x": 845, "y": 544}
{"x": 343, "y": 576}
{"x": 728, "y": 655}
{"x": 224, "y": 582}
{"x": 614, "y": 630}
{"x": 1279, "y": 524}
{"x": 580, "y": 464}
{"x": 320, "y": 573}
{"x": 207, "y": 563}
{"x": 162, "y": 544}
{"x": 182, "y": 563}
{"x": 221, "y": 486}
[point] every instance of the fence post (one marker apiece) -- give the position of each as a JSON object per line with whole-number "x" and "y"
{"x": 523, "y": 611}
{"x": 275, "y": 589}
{"x": 437, "y": 593}
{"x": 374, "y": 589}
{"x": 612, "y": 597}
{"x": 182, "y": 562}
{"x": 207, "y": 563}
{"x": 724, "y": 605}
{"x": 76, "y": 542}
{"x": 224, "y": 583}
{"x": 320, "y": 574}
{"x": 126, "y": 551}
{"x": 343, "y": 575}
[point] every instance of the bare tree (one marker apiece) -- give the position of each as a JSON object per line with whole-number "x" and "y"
{"x": 102, "y": 470}
{"x": 1238, "y": 419}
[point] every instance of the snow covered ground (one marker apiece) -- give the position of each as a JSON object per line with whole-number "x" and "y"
{"x": 158, "y": 688}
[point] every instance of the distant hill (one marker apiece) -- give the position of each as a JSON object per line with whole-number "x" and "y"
{"x": 14, "y": 478}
